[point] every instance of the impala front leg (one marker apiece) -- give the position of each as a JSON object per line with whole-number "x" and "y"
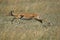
{"x": 40, "y": 20}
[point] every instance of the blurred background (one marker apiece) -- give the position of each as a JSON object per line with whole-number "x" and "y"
{"x": 30, "y": 29}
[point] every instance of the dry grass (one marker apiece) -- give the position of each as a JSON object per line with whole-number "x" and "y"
{"x": 30, "y": 29}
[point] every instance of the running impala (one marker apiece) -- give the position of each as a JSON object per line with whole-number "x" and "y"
{"x": 25, "y": 16}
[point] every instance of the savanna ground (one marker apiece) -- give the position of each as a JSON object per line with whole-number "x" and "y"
{"x": 30, "y": 29}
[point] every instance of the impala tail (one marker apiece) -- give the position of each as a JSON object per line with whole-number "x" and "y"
{"x": 11, "y": 13}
